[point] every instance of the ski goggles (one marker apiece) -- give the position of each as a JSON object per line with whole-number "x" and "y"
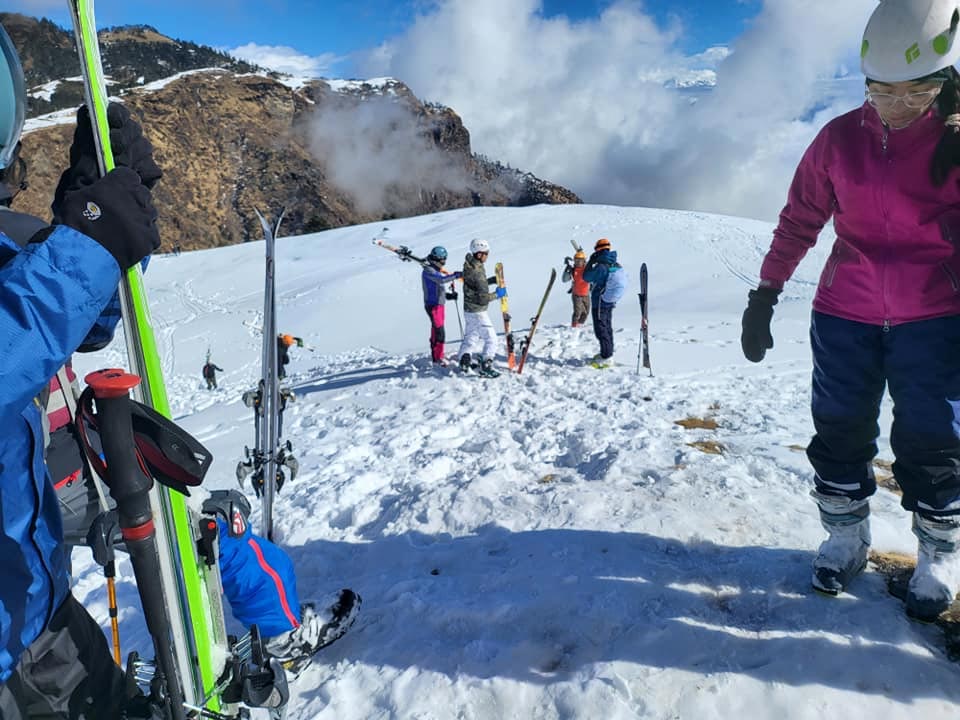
{"x": 913, "y": 101}
{"x": 12, "y": 99}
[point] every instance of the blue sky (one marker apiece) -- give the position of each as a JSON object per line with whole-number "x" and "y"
{"x": 589, "y": 103}
{"x": 342, "y": 27}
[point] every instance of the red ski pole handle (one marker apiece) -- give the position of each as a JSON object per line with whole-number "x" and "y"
{"x": 128, "y": 480}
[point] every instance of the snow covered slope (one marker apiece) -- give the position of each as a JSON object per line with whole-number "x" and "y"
{"x": 549, "y": 545}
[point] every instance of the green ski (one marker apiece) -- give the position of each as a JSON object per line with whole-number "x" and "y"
{"x": 191, "y": 587}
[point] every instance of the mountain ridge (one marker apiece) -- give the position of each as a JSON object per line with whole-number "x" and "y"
{"x": 232, "y": 137}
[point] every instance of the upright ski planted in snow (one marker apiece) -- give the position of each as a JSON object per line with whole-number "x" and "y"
{"x": 525, "y": 345}
{"x": 505, "y": 309}
{"x": 644, "y": 349}
{"x": 270, "y": 457}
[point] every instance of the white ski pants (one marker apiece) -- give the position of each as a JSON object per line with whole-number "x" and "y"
{"x": 478, "y": 333}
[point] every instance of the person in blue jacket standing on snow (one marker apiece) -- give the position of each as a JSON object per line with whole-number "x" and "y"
{"x": 435, "y": 296}
{"x": 607, "y": 284}
{"x": 55, "y": 282}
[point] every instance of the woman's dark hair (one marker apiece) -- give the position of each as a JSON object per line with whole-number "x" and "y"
{"x": 947, "y": 155}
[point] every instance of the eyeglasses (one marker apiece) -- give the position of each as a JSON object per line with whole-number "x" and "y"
{"x": 913, "y": 101}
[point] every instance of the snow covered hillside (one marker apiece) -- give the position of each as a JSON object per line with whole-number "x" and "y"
{"x": 550, "y": 545}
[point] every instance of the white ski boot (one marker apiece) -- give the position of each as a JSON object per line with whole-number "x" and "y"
{"x": 843, "y": 555}
{"x": 321, "y": 623}
{"x": 934, "y": 583}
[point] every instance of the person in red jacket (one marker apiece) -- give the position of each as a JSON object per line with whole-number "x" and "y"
{"x": 886, "y": 315}
{"x": 580, "y": 290}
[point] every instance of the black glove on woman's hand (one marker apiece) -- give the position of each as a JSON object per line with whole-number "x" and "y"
{"x": 756, "y": 338}
{"x": 117, "y": 212}
{"x": 130, "y": 149}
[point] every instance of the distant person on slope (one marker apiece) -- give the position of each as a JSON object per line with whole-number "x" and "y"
{"x": 210, "y": 371}
{"x": 580, "y": 290}
{"x": 478, "y": 332}
{"x": 435, "y": 296}
{"x": 886, "y": 315}
{"x": 58, "y": 286}
{"x": 284, "y": 343}
{"x": 607, "y": 284}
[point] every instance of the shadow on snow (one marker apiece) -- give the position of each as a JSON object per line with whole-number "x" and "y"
{"x": 539, "y": 606}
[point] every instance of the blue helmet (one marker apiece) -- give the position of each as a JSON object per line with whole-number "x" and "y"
{"x": 12, "y": 100}
{"x": 438, "y": 253}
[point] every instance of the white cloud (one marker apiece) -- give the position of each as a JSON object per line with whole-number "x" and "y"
{"x": 584, "y": 104}
{"x": 372, "y": 145}
{"x": 286, "y": 59}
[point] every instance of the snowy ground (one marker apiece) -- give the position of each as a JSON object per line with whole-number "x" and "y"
{"x": 548, "y": 545}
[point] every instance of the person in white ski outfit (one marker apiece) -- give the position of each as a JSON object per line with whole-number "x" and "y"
{"x": 478, "y": 332}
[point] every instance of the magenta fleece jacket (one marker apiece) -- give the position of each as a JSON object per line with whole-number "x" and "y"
{"x": 895, "y": 259}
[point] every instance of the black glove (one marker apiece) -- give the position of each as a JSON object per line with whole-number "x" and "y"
{"x": 452, "y": 295}
{"x": 117, "y": 212}
{"x": 756, "y": 338}
{"x": 130, "y": 149}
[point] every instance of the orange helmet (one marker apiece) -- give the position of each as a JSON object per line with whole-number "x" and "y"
{"x": 579, "y": 255}
{"x": 602, "y": 244}
{"x": 287, "y": 340}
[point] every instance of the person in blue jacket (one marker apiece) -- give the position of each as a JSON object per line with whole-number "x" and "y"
{"x": 435, "y": 296}
{"x": 600, "y": 268}
{"x": 55, "y": 282}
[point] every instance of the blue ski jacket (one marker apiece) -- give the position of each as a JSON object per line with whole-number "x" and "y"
{"x": 434, "y": 285}
{"x": 51, "y": 295}
{"x": 596, "y": 273}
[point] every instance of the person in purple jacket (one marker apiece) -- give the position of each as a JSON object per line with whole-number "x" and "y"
{"x": 435, "y": 295}
{"x": 886, "y": 314}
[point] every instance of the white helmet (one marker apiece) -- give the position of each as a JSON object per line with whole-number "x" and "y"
{"x": 477, "y": 246}
{"x": 910, "y": 39}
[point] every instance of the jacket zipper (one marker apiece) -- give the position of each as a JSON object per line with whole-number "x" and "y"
{"x": 34, "y": 520}
{"x": 834, "y": 265}
{"x": 886, "y": 224}
{"x": 954, "y": 282}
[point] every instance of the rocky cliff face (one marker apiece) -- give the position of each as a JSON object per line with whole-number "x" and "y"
{"x": 333, "y": 153}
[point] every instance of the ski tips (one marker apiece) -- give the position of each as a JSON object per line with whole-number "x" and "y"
{"x": 265, "y": 224}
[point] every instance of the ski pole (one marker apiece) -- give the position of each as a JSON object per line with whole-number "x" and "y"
{"x": 456, "y": 304}
{"x": 640, "y": 342}
{"x": 110, "y": 571}
{"x": 129, "y": 486}
{"x": 100, "y": 538}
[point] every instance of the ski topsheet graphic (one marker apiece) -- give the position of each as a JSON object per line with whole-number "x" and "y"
{"x": 643, "y": 352}
{"x": 505, "y": 310}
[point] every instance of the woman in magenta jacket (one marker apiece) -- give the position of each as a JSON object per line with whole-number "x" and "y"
{"x": 887, "y": 309}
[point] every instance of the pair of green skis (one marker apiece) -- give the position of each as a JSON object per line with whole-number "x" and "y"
{"x": 202, "y": 682}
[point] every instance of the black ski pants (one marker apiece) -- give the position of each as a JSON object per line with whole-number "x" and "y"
{"x": 67, "y": 673}
{"x": 603, "y": 326}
